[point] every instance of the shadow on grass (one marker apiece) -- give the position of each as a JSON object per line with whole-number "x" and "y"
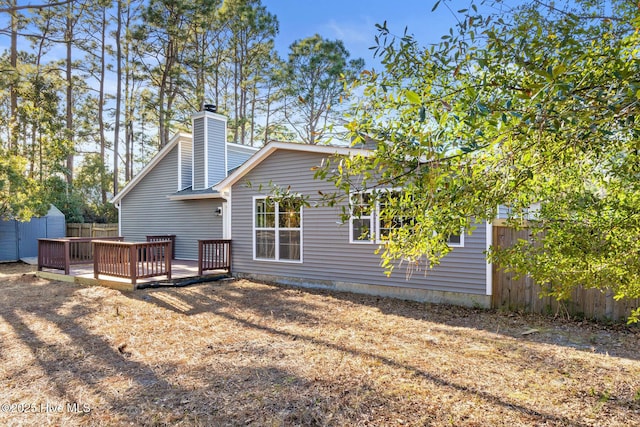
{"x": 154, "y": 398}
{"x": 258, "y": 307}
{"x": 589, "y": 337}
{"x": 46, "y": 318}
{"x": 89, "y": 358}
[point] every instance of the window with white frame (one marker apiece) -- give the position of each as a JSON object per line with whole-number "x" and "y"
{"x": 456, "y": 240}
{"x": 367, "y": 224}
{"x": 277, "y": 229}
{"x": 361, "y": 225}
{"x": 386, "y": 224}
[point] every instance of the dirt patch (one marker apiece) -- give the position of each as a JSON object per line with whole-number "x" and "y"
{"x": 244, "y": 353}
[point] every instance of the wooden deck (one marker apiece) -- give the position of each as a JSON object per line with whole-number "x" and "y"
{"x": 181, "y": 271}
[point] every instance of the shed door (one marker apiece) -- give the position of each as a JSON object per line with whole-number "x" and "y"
{"x": 28, "y": 235}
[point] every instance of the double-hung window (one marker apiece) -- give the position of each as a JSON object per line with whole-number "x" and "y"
{"x": 361, "y": 221}
{"x": 387, "y": 223}
{"x": 367, "y": 224}
{"x": 456, "y": 240}
{"x": 277, "y": 229}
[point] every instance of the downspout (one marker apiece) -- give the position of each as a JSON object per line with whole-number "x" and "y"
{"x": 119, "y": 219}
{"x": 489, "y": 240}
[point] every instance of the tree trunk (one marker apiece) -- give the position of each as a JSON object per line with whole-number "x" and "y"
{"x": 69, "y": 78}
{"x": 101, "y": 101}
{"x": 116, "y": 129}
{"x": 13, "y": 120}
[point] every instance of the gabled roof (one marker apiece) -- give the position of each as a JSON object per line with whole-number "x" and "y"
{"x": 180, "y": 136}
{"x": 272, "y": 147}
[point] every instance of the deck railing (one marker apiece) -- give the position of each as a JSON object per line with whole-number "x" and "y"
{"x": 161, "y": 237}
{"x": 62, "y": 253}
{"x": 132, "y": 260}
{"x": 214, "y": 255}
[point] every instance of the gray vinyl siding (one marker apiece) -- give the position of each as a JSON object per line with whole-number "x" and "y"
{"x": 146, "y": 210}
{"x": 216, "y": 149}
{"x": 326, "y": 251}
{"x": 186, "y": 158}
{"x": 236, "y": 156}
{"x": 198, "y": 154}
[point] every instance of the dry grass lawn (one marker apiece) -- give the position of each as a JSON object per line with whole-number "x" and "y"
{"x": 243, "y": 353}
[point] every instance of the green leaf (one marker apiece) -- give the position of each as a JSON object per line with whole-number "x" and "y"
{"x": 413, "y": 97}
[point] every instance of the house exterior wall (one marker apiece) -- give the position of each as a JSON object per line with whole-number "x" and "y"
{"x": 146, "y": 210}
{"x": 186, "y": 162}
{"x": 327, "y": 256}
{"x": 209, "y": 149}
{"x": 237, "y": 156}
{"x": 216, "y": 156}
{"x": 198, "y": 154}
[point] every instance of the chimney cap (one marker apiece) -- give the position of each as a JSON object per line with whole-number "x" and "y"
{"x": 212, "y": 108}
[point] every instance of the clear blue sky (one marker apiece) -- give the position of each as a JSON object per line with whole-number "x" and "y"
{"x": 353, "y": 21}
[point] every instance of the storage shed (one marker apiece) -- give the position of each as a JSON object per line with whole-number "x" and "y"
{"x": 19, "y": 240}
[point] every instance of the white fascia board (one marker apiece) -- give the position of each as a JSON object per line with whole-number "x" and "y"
{"x": 195, "y": 196}
{"x": 210, "y": 114}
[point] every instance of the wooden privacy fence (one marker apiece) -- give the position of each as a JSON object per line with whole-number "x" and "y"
{"x": 132, "y": 260}
{"x": 61, "y": 254}
{"x": 92, "y": 230}
{"x": 214, "y": 255}
{"x": 523, "y": 293}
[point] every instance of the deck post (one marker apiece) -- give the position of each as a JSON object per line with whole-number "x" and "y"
{"x": 133, "y": 263}
{"x": 96, "y": 257}
{"x": 229, "y": 256}
{"x": 200, "y": 260}
{"x": 40, "y": 256}
{"x": 67, "y": 257}
{"x": 168, "y": 256}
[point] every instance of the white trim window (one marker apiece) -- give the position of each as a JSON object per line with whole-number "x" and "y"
{"x": 361, "y": 223}
{"x": 456, "y": 240}
{"x": 367, "y": 225}
{"x": 277, "y": 230}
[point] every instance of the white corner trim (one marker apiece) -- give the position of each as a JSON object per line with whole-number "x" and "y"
{"x": 180, "y": 187}
{"x": 206, "y": 152}
{"x": 489, "y": 239}
{"x": 119, "y": 219}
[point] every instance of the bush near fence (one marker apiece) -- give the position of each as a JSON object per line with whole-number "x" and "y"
{"x": 522, "y": 293}
{"x": 92, "y": 230}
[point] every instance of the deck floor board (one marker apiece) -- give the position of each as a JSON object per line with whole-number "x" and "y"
{"x": 180, "y": 270}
